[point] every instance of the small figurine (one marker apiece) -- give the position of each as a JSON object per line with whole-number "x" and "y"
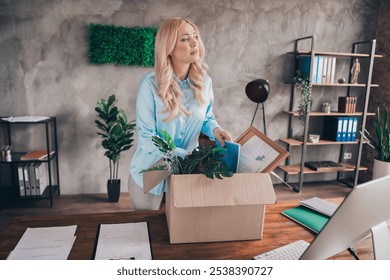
{"x": 355, "y": 71}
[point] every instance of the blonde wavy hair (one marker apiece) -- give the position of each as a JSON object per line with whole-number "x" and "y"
{"x": 168, "y": 89}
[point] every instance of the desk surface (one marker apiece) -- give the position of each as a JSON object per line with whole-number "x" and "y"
{"x": 278, "y": 231}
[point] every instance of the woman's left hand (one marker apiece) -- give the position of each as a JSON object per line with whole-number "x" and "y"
{"x": 222, "y": 135}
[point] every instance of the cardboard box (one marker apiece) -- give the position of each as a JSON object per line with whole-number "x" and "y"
{"x": 200, "y": 209}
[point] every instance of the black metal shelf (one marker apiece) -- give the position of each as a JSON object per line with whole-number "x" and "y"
{"x": 299, "y": 169}
{"x": 9, "y": 191}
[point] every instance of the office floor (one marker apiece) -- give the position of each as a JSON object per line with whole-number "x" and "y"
{"x": 98, "y": 203}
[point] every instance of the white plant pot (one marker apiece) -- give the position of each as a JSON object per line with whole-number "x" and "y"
{"x": 380, "y": 169}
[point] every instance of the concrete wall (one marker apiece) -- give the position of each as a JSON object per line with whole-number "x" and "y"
{"x": 44, "y": 67}
{"x": 380, "y": 96}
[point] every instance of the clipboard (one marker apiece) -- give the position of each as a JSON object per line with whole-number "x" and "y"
{"x": 259, "y": 154}
{"x": 126, "y": 255}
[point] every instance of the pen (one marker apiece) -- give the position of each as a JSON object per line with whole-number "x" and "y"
{"x": 130, "y": 258}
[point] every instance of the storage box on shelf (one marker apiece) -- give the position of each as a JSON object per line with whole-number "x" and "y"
{"x": 29, "y": 174}
{"x": 321, "y": 69}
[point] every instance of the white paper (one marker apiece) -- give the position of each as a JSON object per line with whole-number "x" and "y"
{"x": 25, "y": 119}
{"x": 256, "y": 155}
{"x": 124, "y": 241}
{"x": 45, "y": 243}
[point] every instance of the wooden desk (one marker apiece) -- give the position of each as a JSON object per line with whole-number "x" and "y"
{"x": 278, "y": 231}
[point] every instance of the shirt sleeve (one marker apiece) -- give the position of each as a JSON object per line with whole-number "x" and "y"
{"x": 210, "y": 123}
{"x": 145, "y": 117}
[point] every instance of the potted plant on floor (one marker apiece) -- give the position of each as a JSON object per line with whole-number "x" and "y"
{"x": 117, "y": 134}
{"x": 381, "y": 144}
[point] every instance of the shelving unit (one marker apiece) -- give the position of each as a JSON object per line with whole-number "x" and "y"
{"x": 291, "y": 142}
{"x": 9, "y": 179}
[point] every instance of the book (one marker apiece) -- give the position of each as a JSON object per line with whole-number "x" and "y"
{"x": 319, "y": 69}
{"x": 347, "y": 104}
{"x": 36, "y": 155}
{"x": 320, "y": 205}
{"x": 328, "y": 70}
{"x": 232, "y": 155}
{"x": 324, "y": 70}
{"x": 332, "y": 76}
{"x": 307, "y": 217}
{"x": 342, "y": 104}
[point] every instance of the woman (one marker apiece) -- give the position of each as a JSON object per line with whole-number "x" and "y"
{"x": 177, "y": 97}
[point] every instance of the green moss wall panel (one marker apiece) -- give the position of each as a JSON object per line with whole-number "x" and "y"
{"x": 110, "y": 44}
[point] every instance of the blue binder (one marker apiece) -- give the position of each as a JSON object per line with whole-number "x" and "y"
{"x": 339, "y": 129}
{"x": 349, "y": 129}
{"x": 354, "y": 129}
{"x": 344, "y": 129}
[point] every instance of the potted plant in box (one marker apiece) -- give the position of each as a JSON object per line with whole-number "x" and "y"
{"x": 381, "y": 144}
{"x": 117, "y": 134}
{"x": 203, "y": 159}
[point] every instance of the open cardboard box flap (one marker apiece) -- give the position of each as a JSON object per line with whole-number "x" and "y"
{"x": 153, "y": 178}
{"x": 197, "y": 190}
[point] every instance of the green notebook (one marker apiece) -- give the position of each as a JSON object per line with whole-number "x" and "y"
{"x": 309, "y": 218}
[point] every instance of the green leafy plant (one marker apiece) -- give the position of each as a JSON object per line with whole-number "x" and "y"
{"x": 302, "y": 82}
{"x": 381, "y": 143}
{"x": 202, "y": 160}
{"x": 110, "y": 44}
{"x": 115, "y": 130}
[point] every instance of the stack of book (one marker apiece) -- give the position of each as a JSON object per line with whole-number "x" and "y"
{"x": 324, "y": 68}
{"x": 347, "y": 104}
{"x": 340, "y": 129}
{"x": 312, "y": 213}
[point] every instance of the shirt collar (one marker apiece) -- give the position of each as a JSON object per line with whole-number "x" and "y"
{"x": 183, "y": 84}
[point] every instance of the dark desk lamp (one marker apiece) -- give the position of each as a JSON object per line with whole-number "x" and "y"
{"x": 257, "y": 91}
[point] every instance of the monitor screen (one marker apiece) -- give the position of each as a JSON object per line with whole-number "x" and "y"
{"x": 364, "y": 208}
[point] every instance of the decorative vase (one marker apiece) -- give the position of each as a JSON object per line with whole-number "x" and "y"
{"x": 113, "y": 190}
{"x": 380, "y": 169}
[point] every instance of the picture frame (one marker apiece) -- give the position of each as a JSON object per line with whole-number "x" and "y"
{"x": 258, "y": 152}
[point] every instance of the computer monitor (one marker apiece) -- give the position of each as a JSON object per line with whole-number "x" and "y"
{"x": 365, "y": 210}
